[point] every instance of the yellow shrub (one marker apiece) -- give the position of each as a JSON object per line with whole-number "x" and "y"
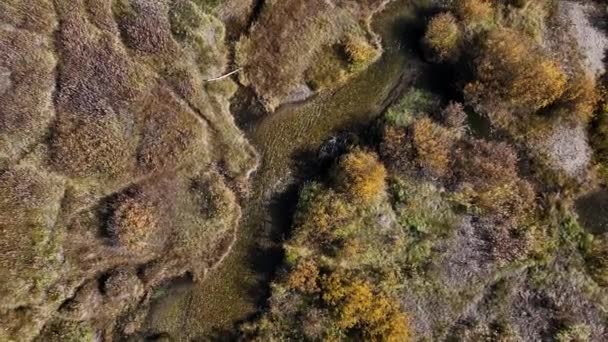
{"x": 360, "y": 52}
{"x": 443, "y": 37}
{"x": 359, "y": 305}
{"x": 361, "y": 176}
{"x": 580, "y": 98}
{"x": 512, "y": 72}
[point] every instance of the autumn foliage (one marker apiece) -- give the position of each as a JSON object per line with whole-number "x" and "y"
{"x": 488, "y": 174}
{"x": 357, "y": 304}
{"x": 512, "y": 73}
{"x": 361, "y": 176}
{"x": 133, "y": 222}
{"x": 433, "y": 144}
{"x": 474, "y": 11}
{"x": 304, "y": 277}
{"x": 443, "y": 37}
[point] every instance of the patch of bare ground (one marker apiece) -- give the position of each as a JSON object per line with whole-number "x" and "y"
{"x": 592, "y": 42}
{"x": 118, "y": 163}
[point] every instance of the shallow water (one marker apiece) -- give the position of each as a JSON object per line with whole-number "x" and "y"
{"x": 235, "y": 290}
{"x": 592, "y": 210}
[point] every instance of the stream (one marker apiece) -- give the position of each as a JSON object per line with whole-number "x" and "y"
{"x": 235, "y": 291}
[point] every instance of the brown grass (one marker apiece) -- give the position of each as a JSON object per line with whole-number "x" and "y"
{"x": 91, "y": 89}
{"x": 28, "y": 243}
{"x": 27, "y": 63}
{"x": 284, "y": 42}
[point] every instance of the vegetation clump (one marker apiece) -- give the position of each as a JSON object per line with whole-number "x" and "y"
{"x": 511, "y": 72}
{"x": 597, "y": 260}
{"x": 133, "y": 223}
{"x": 61, "y": 330}
{"x": 474, "y": 11}
{"x": 433, "y": 144}
{"x": 360, "y": 53}
{"x": 489, "y": 177}
{"x": 361, "y": 176}
{"x": 443, "y": 37}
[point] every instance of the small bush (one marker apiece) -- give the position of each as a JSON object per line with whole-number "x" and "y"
{"x": 361, "y": 176}
{"x": 133, "y": 222}
{"x": 357, "y": 305}
{"x": 396, "y": 148}
{"x": 488, "y": 172}
{"x": 433, "y": 144}
{"x": 320, "y": 213}
{"x": 410, "y": 106}
{"x": 474, "y": 11}
{"x": 580, "y": 98}
{"x": 304, "y": 277}
{"x": 454, "y": 116}
{"x": 512, "y": 74}
{"x": 443, "y": 37}
{"x": 360, "y": 52}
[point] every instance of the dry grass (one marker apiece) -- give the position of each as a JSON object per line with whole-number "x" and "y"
{"x": 29, "y": 245}
{"x": 287, "y": 38}
{"x": 104, "y": 97}
{"x": 27, "y": 63}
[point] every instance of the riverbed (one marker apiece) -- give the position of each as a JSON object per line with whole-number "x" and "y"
{"x": 236, "y": 290}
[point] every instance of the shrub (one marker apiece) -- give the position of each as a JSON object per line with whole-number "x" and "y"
{"x": 513, "y": 74}
{"x": 132, "y": 222}
{"x": 360, "y": 52}
{"x": 412, "y": 104}
{"x": 304, "y": 276}
{"x": 357, "y": 305}
{"x": 396, "y": 148}
{"x": 433, "y": 145}
{"x": 443, "y": 37}
{"x": 454, "y": 116}
{"x": 361, "y": 176}
{"x": 320, "y": 213}
{"x": 474, "y": 11}
{"x": 488, "y": 172}
{"x": 580, "y": 98}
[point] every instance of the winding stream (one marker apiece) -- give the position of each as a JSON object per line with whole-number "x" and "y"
{"x": 237, "y": 288}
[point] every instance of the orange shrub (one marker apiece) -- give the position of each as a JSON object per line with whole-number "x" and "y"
{"x": 433, "y": 144}
{"x": 443, "y": 37}
{"x": 361, "y": 176}
{"x": 359, "y": 52}
{"x": 132, "y": 223}
{"x": 303, "y": 277}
